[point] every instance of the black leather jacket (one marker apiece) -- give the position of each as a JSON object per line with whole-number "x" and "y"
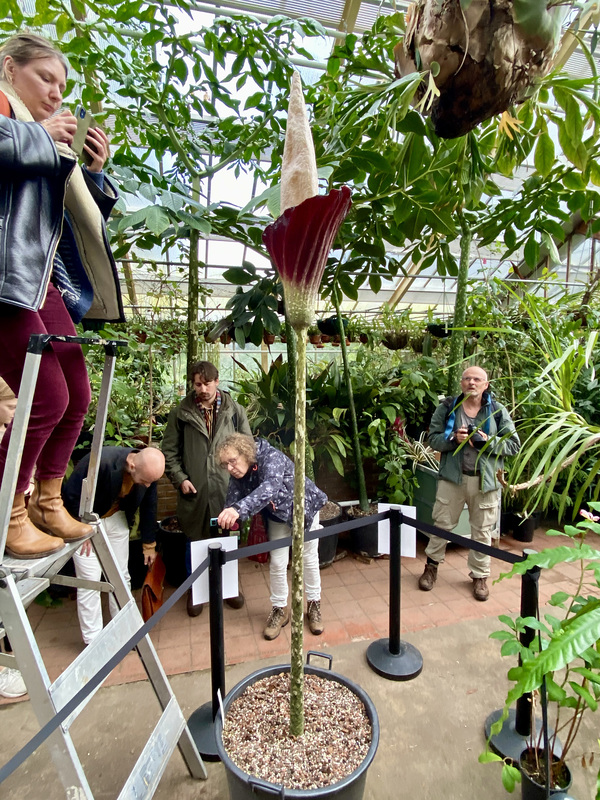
{"x": 110, "y": 482}
{"x": 33, "y": 181}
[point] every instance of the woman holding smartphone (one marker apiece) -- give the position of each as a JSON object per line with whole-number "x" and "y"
{"x": 56, "y": 268}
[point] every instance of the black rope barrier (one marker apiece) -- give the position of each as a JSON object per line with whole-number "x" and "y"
{"x": 60, "y": 716}
{"x": 404, "y": 656}
{"x": 464, "y": 541}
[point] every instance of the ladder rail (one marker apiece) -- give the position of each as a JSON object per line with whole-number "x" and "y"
{"x": 88, "y": 489}
{"x": 49, "y": 699}
{"x": 37, "y": 680}
{"x": 16, "y": 444}
{"x": 152, "y": 665}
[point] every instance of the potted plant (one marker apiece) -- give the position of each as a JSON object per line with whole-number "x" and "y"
{"x": 562, "y": 662}
{"x": 330, "y": 514}
{"x": 515, "y": 519}
{"x": 298, "y": 243}
{"x": 314, "y": 334}
{"x": 353, "y": 328}
{"x": 395, "y": 328}
{"x": 496, "y": 73}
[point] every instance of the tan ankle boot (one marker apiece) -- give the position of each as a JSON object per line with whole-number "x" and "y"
{"x": 46, "y": 510}
{"x": 24, "y": 540}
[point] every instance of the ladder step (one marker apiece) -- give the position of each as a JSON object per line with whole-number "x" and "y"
{"x": 151, "y": 764}
{"x": 23, "y": 568}
{"x": 30, "y": 588}
{"x": 112, "y": 637}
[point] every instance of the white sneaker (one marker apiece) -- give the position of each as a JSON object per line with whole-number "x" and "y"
{"x": 12, "y": 683}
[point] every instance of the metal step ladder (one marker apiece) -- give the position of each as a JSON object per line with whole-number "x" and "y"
{"x": 22, "y": 580}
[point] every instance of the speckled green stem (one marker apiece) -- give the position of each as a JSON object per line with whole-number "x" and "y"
{"x": 363, "y": 500}
{"x": 297, "y": 666}
{"x": 457, "y": 340}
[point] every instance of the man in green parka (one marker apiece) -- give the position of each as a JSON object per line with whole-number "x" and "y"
{"x": 195, "y": 430}
{"x": 473, "y": 433}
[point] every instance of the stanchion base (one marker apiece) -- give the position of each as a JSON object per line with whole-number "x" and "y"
{"x": 508, "y": 743}
{"x": 402, "y": 667}
{"x": 202, "y": 728}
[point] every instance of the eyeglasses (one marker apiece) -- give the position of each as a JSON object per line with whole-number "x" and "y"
{"x": 230, "y": 462}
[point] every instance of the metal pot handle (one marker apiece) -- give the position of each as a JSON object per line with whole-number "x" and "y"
{"x": 316, "y": 653}
{"x": 255, "y": 783}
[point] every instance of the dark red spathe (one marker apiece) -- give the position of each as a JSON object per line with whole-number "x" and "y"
{"x": 299, "y": 242}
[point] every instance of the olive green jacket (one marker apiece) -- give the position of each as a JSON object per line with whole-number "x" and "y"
{"x": 503, "y": 440}
{"x": 189, "y": 455}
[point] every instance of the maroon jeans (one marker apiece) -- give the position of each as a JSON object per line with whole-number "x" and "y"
{"x": 62, "y": 393}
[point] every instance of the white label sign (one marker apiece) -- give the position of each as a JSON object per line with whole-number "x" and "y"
{"x": 408, "y": 534}
{"x": 230, "y": 569}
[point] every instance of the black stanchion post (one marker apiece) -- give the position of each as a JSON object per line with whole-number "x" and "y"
{"x": 512, "y": 739}
{"x": 529, "y": 608}
{"x": 392, "y": 658}
{"x": 217, "y": 634}
{"x": 201, "y": 722}
{"x": 395, "y": 581}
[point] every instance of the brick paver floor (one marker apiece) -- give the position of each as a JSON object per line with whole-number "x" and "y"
{"x": 355, "y": 607}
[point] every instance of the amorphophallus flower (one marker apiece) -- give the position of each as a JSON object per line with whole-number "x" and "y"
{"x": 298, "y": 243}
{"x": 300, "y": 239}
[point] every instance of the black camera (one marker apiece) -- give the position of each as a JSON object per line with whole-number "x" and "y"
{"x": 476, "y": 437}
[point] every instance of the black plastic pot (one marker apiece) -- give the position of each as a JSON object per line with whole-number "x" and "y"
{"x": 363, "y": 540}
{"x": 172, "y": 546}
{"x": 247, "y": 787}
{"x": 328, "y": 544}
{"x": 530, "y": 790}
{"x": 524, "y": 527}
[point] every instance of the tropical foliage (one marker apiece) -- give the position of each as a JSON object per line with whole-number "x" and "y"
{"x": 562, "y": 660}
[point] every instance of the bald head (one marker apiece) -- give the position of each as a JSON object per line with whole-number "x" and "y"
{"x": 147, "y": 466}
{"x": 474, "y": 382}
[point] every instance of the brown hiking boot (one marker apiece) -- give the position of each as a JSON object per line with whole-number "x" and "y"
{"x": 24, "y": 540}
{"x": 313, "y": 614}
{"x": 480, "y": 589}
{"x": 47, "y": 512}
{"x": 428, "y": 578}
{"x": 278, "y": 618}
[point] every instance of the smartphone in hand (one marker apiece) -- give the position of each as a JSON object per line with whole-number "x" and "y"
{"x": 84, "y": 121}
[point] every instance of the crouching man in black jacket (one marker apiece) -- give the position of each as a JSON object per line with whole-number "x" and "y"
{"x": 126, "y": 481}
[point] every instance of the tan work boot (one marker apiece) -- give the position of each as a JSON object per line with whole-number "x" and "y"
{"x": 428, "y": 578}
{"x": 278, "y": 618}
{"x": 313, "y": 614}
{"x": 23, "y": 539}
{"x": 480, "y": 589}
{"x": 47, "y": 512}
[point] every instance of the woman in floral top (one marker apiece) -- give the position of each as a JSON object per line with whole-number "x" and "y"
{"x": 262, "y": 481}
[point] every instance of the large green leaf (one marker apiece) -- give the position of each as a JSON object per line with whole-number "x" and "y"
{"x": 544, "y": 157}
{"x": 581, "y": 634}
